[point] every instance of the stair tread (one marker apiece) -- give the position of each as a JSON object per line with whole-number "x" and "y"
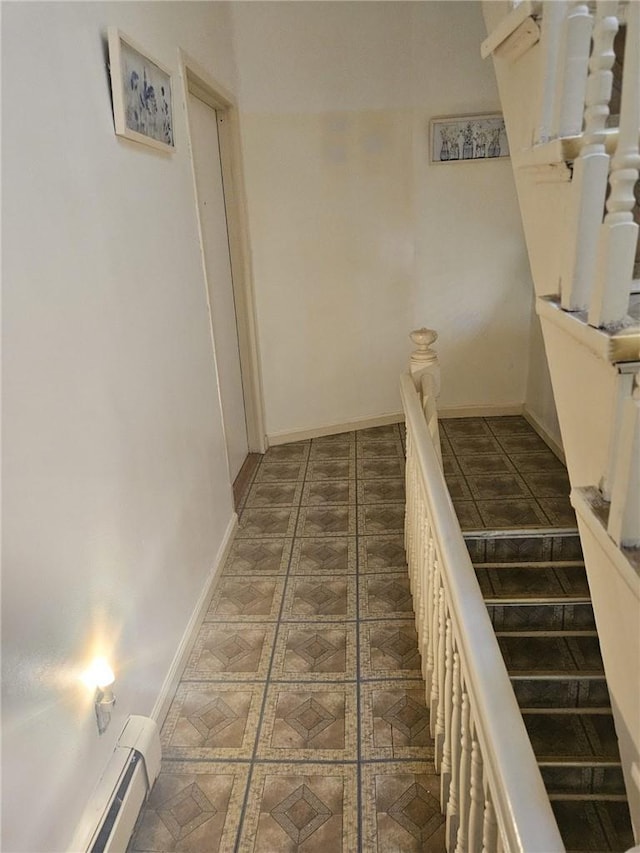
{"x": 533, "y": 582}
{"x": 533, "y": 654}
{"x": 557, "y": 737}
{"x": 593, "y": 827}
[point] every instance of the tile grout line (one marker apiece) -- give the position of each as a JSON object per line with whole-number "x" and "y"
{"x": 267, "y": 680}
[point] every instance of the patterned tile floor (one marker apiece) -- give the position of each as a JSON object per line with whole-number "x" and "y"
{"x": 300, "y": 721}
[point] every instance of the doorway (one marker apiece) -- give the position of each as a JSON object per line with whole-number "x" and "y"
{"x": 212, "y": 125}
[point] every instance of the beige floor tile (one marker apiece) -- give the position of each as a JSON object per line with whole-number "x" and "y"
{"x": 193, "y": 807}
{"x": 301, "y": 808}
{"x": 246, "y": 599}
{"x": 309, "y": 722}
{"x": 231, "y": 652}
{"x": 258, "y": 557}
{"x": 385, "y": 596}
{"x": 320, "y": 599}
{"x": 212, "y": 721}
{"x": 395, "y": 720}
{"x": 315, "y": 652}
{"x": 389, "y": 648}
{"x": 324, "y": 555}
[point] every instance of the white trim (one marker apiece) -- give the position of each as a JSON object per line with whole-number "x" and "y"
{"x": 197, "y": 81}
{"x": 497, "y": 411}
{"x": 168, "y": 689}
{"x": 544, "y": 434}
{"x": 333, "y": 429}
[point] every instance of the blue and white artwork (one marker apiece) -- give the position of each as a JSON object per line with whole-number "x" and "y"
{"x": 480, "y": 137}
{"x": 147, "y": 96}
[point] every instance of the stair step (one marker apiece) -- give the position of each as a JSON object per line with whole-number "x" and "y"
{"x": 532, "y": 654}
{"x": 593, "y": 826}
{"x": 561, "y": 691}
{"x": 560, "y": 738}
{"x": 583, "y": 780}
{"x": 541, "y": 615}
{"x": 531, "y": 582}
{"x": 515, "y": 546}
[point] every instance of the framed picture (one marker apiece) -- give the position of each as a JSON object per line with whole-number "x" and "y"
{"x": 454, "y": 139}
{"x": 141, "y": 87}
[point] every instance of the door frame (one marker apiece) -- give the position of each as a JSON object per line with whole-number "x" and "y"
{"x": 199, "y": 83}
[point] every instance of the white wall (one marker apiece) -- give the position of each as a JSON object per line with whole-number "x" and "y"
{"x": 116, "y": 494}
{"x": 353, "y": 230}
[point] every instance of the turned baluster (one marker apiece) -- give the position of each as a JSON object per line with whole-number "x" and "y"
{"x": 456, "y": 735}
{"x": 435, "y": 644}
{"x": 578, "y": 26}
{"x": 445, "y": 768}
{"x": 476, "y": 810}
{"x": 429, "y": 623}
{"x": 589, "y": 182}
{"x": 489, "y": 826}
{"x": 440, "y": 704}
{"x": 464, "y": 781}
{"x": 437, "y": 681}
{"x": 619, "y": 232}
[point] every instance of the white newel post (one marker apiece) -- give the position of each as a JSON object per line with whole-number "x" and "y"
{"x": 619, "y": 232}
{"x": 424, "y": 359}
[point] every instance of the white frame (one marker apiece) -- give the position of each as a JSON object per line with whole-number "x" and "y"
{"x": 486, "y": 123}
{"x": 158, "y": 73}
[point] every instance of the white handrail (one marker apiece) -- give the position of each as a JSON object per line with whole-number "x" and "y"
{"x": 492, "y": 750}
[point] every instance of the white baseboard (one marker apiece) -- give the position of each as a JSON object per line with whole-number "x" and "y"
{"x": 333, "y": 429}
{"x": 545, "y": 435}
{"x": 479, "y": 411}
{"x": 165, "y": 697}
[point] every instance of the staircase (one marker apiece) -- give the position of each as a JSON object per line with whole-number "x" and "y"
{"x": 537, "y": 595}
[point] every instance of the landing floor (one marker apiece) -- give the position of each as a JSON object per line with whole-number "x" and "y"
{"x": 300, "y": 721}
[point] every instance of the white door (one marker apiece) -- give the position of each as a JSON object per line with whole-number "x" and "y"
{"x": 203, "y": 122}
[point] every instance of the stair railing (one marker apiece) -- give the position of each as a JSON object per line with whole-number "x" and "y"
{"x": 597, "y": 273}
{"x": 492, "y": 792}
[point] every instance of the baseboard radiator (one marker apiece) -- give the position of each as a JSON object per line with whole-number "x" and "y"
{"x": 114, "y": 808}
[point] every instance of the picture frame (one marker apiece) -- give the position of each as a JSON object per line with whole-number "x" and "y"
{"x": 467, "y": 138}
{"x": 142, "y": 94}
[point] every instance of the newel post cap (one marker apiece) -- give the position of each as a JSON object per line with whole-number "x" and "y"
{"x": 423, "y": 339}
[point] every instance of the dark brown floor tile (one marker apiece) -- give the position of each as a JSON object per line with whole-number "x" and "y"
{"x": 509, "y": 425}
{"x": 295, "y": 452}
{"x": 382, "y": 553}
{"x": 559, "y": 511}
{"x": 497, "y": 486}
{"x": 329, "y": 492}
{"x": 490, "y": 463}
{"x": 384, "y": 448}
{"x": 594, "y": 827}
{"x": 280, "y": 472}
{"x": 374, "y": 469}
{"x": 522, "y": 443}
{"x": 192, "y": 807}
{"x": 520, "y": 582}
{"x": 228, "y": 651}
{"x": 389, "y": 648}
{"x": 259, "y": 523}
{"x": 395, "y": 720}
{"x": 464, "y": 426}
{"x": 334, "y": 440}
{"x": 326, "y": 521}
{"x": 381, "y": 518}
{"x": 564, "y": 736}
{"x": 320, "y": 599}
{"x": 548, "y": 484}
{"x": 209, "y": 721}
{"x": 385, "y": 596}
{"x": 332, "y": 452}
{"x": 246, "y": 599}
{"x": 510, "y": 549}
{"x": 550, "y": 654}
{"x": 274, "y": 495}
{"x": 465, "y": 445}
{"x": 258, "y": 557}
{"x": 315, "y": 652}
{"x": 324, "y": 555}
{"x": 468, "y": 515}
{"x": 458, "y": 488}
{"x": 516, "y": 512}
{"x": 445, "y": 446}
{"x": 381, "y": 491}
{"x": 331, "y": 469}
{"x": 450, "y": 467}
{"x": 301, "y": 807}
{"x": 401, "y": 808}
{"x": 309, "y": 722}
{"x": 542, "y": 460}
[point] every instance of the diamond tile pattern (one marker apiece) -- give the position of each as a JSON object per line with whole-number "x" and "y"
{"x": 300, "y": 722}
